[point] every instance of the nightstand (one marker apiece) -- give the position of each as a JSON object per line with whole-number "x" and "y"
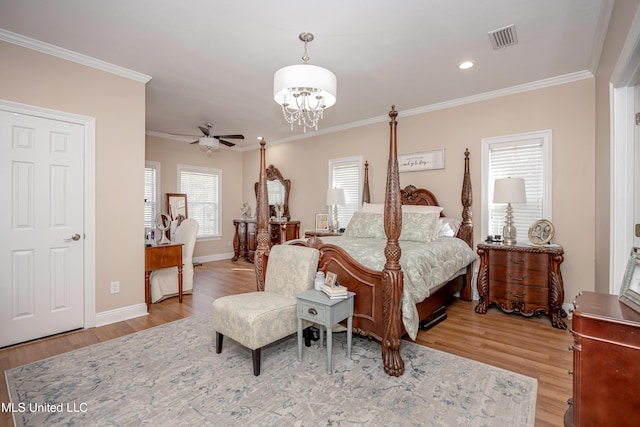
{"x": 316, "y": 307}
{"x": 316, "y": 233}
{"x": 524, "y": 279}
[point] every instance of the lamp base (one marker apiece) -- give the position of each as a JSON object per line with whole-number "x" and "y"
{"x": 509, "y": 234}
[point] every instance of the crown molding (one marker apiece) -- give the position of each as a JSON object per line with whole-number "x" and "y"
{"x": 69, "y": 55}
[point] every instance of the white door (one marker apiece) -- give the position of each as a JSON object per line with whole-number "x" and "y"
{"x": 636, "y": 173}
{"x": 41, "y": 227}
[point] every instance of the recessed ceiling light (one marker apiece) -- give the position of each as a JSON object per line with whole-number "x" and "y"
{"x": 465, "y": 65}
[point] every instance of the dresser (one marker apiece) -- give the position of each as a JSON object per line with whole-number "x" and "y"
{"x": 246, "y": 230}
{"x": 606, "y": 363}
{"x": 524, "y": 279}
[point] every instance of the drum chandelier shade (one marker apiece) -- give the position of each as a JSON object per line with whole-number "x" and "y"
{"x": 304, "y": 90}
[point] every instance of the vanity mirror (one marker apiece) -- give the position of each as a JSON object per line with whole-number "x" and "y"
{"x": 177, "y": 205}
{"x": 278, "y": 192}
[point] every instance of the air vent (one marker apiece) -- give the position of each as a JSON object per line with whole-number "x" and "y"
{"x": 503, "y": 37}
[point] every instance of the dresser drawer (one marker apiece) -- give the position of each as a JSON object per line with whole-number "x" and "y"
{"x": 313, "y": 312}
{"x": 528, "y": 295}
{"x": 520, "y": 268}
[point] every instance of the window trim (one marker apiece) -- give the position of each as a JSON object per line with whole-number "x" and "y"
{"x": 515, "y": 139}
{"x": 216, "y": 171}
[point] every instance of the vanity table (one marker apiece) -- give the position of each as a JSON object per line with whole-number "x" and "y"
{"x": 280, "y": 230}
{"x": 244, "y": 241}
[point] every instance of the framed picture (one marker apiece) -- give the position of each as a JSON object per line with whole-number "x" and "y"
{"x": 330, "y": 280}
{"x": 322, "y": 222}
{"x": 422, "y": 160}
{"x": 630, "y": 291}
{"x": 541, "y": 232}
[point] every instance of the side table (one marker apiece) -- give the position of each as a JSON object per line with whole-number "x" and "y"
{"x": 318, "y": 308}
{"x": 524, "y": 279}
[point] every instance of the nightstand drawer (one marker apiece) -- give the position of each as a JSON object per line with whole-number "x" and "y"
{"x": 312, "y": 312}
{"x": 525, "y": 294}
{"x": 520, "y": 268}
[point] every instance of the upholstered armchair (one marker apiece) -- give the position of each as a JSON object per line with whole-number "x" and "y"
{"x": 256, "y": 319}
{"x": 164, "y": 282}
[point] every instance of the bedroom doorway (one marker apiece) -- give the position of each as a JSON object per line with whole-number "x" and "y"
{"x": 42, "y": 261}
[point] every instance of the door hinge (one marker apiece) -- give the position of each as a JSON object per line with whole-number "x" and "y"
{"x": 637, "y": 119}
{"x": 637, "y": 230}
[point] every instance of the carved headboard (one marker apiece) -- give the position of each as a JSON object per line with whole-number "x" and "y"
{"x": 411, "y": 195}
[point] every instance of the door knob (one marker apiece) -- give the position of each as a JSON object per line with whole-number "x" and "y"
{"x": 74, "y": 237}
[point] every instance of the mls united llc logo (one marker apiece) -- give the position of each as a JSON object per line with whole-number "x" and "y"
{"x": 22, "y": 407}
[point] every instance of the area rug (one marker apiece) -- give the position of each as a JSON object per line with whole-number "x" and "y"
{"x": 171, "y": 375}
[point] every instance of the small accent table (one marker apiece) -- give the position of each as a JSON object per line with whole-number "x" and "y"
{"x": 318, "y": 308}
{"x": 162, "y": 256}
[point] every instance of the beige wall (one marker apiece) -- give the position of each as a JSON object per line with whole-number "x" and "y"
{"x": 118, "y": 105}
{"x": 170, "y": 153}
{"x": 568, "y": 110}
{"x": 621, "y": 18}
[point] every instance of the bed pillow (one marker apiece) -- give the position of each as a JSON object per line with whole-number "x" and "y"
{"x": 419, "y": 227}
{"x": 373, "y": 208}
{"x": 448, "y": 227}
{"x": 421, "y": 209}
{"x": 366, "y": 224}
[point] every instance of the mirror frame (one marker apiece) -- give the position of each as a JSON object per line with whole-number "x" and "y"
{"x": 177, "y": 195}
{"x": 273, "y": 174}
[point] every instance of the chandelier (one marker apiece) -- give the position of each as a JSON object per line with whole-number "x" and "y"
{"x": 208, "y": 144}
{"x": 304, "y": 90}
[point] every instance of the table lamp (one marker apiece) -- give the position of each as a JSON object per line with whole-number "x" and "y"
{"x": 509, "y": 190}
{"x": 335, "y": 197}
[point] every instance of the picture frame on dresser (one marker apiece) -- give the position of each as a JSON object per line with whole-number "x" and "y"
{"x": 630, "y": 291}
{"x": 322, "y": 222}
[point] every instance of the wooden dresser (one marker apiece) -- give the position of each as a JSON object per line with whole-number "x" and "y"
{"x": 524, "y": 279}
{"x": 244, "y": 241}
{"x": 606, "y": 363}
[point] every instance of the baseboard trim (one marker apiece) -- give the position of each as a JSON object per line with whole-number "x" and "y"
{"x": 120, "y": 314}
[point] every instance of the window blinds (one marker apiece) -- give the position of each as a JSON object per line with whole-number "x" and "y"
{"x": 150, "y": 184}
{"x": 521, "y": 159}
{"x": 345, "y": 174}
{"x": 202, "y": 187}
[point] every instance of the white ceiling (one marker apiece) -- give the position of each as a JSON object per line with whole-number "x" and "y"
{"x": 214, "y": 60}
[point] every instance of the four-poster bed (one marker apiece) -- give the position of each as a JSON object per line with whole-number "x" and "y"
{"x": 379, "y": 302}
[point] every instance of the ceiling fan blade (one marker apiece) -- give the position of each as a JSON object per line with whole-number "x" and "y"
{"x": 229, "y": 136}
{"x": 227, "y": 143}
{"x": 204, "y": 130}
{"x": 195, "y": 142}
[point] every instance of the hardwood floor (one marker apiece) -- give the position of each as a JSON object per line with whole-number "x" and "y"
{"x": 528, "y": 346}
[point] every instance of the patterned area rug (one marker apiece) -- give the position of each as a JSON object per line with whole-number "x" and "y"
{"x": 170, "y": 375}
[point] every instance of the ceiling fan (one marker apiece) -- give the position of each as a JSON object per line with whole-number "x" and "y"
{"x": 210, "y": 142}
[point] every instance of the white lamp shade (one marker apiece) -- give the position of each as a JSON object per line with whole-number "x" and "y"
{"x": 304, "y": 76}
{"x": 209, "y": 143}
{"x": 335, "y": 196}
{"x": 509, "y": 190}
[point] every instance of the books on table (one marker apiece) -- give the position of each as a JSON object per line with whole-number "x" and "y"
{"x": 335, "y": 292}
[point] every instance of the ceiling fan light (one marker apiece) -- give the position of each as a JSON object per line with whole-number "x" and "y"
{"x": 208, "y": 143}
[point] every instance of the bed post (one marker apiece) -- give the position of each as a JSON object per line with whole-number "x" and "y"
{"x": 466, "y": 228}
{"x": 392, "y": 278}
{"x": 366, "y": 197}
{"x": 262, "y": 212}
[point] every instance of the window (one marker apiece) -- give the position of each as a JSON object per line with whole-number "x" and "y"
{"x": 202, "y": 187}
{"x": 151, "y": 193}
{"x": 346, "y": 173}
{"x": 525, "y": 156}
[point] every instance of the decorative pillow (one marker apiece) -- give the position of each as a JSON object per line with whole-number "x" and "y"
{"x": 419, "y": 227}
{"x": 421, "y": 209}
{"x": 366, "y": 224}
{"x": 448, "y": 227}
{"x": 373, "y": 208}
